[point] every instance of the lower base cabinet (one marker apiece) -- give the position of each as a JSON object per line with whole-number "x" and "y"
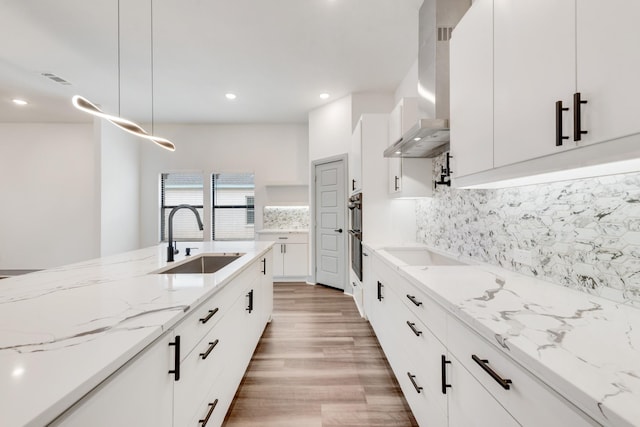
{"x": 443, "y": 366}
{"x": 189, "y": 376}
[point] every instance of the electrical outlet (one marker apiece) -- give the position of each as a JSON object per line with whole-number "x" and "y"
{"x": 522, "y": 256}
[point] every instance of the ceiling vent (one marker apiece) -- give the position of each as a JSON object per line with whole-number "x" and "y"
{"x": 56, "y": 79}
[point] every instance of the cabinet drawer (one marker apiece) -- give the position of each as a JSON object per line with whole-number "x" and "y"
{"x": 469, "y": 403}
{"x": 204, "y": 317}
{"x": 429, "y": 312}
{"x": 529, "y": 401}
{"x": 285, "y": 237}
{"x": 200, "y": 369}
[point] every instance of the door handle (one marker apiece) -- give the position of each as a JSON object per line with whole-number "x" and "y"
{"x": 559, "y": 136}
{"x": 339, "y": 230}
{"x": 577, "y": 117}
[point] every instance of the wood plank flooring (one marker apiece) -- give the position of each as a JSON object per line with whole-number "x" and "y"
{"x": 318, "y": 363}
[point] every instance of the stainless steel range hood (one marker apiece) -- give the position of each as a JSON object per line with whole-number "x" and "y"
{"x": 430, "y": 136}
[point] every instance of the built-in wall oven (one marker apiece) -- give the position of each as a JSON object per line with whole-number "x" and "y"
{"x": 355, "y": 233}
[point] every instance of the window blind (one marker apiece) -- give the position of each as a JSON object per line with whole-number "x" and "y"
{"x": 178, "y": 189}
{"x": 233, "y": 209}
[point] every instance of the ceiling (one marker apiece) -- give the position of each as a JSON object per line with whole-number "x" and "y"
{"x": 277, "y": 56}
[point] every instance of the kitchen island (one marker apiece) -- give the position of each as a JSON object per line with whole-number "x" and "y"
{"x": 64, "y": 331}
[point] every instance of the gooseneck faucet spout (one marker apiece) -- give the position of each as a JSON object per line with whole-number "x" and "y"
{"x": 170, "y": 249}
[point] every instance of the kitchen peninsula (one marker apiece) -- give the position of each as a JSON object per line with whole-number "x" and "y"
{"x": 67, "y": 330}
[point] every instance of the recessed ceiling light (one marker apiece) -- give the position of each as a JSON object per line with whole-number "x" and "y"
{"x": 324, "y": 95}
{"x": 398, "y": 152}
{"x": 230, "y": 95}
{"x": 417, "y": 139}
{"x": 20, "y": 102}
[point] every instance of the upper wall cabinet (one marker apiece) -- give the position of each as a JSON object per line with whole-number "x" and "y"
{"x": 534, "y": 66}
{"x": 561, "y": 74}
{"x": 471, "y": 94}
{"x": 608, "y": 67}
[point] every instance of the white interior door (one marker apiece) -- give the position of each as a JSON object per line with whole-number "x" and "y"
{"x": 330, "y": 234}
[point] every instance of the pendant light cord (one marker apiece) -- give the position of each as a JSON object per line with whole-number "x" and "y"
{"x": 152, "y": 103}
{"x": 119, "y": 90}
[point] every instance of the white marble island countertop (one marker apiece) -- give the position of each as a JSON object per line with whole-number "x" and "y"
{"x": 65, "y": 330}
{"x": 584, "y": 346}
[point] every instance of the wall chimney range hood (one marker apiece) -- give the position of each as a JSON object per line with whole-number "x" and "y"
{"x": 430, "y": 136}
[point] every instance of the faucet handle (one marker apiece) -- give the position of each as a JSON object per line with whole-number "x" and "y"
{"x": 175, "y": 248}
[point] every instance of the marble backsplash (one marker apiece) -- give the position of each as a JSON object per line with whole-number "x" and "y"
{"x": 584, "y": 233}
{"x": 285, "y": 217}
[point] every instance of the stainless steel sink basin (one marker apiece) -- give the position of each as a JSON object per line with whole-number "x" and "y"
{"x": 203, "y": 264}
{"x": 420, "y": 256}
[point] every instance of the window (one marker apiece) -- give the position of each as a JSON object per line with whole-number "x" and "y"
{"x": 233, "y": 206}
{"x": 178, "y": 189}
{"x": 251, "y": 210}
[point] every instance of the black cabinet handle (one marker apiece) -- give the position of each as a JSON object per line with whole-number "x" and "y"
{"x": 395, "y": 185}
{"x": 445, "y": 386}
{"x": 264, "y": 266}
{"x": 415, "y": 385}
{"x": 365, "y": 254}
{"x": 353, "y": 184}
{"x": 577, "y": 117}
{"x": 209, "y": 316}
{"x": 559, "y": 136}
{"x": 380, "y": 285}
{"x": 413, "y": 328}
{"x": 212, "y": 345}
{"x": 176, "y": 359}
{"x": 414, "y": 300}
{"x": 281, "y": 248}
{"x": 484, "y": 365}
{"x": 250, "y": 295}
{"x": 212, "y": 406}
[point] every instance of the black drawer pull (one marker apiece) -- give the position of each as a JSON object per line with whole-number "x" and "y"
{"x": 445, "y": 386}
{"x": 209, "y": 316}
{"x": 414, "y": 300}
{"x": 176, "y": 359}
{"x": 264, "y": 266}
{"x": 250, "y": 295}
{"x": 577, "y": 117}
{"x": 212, "y": 406}
{"x": 413, "y": 328}
{"x": 415, "y": 385}
{"x": 484, "y": 365}
{"x": 380, "y": 285}
{"x": 395, "y": 185}
{"x": 212, "y": 345}
{"x": 559, "y": 136}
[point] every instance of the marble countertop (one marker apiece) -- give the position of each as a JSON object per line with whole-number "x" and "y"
{"x": 65, "y": 330}
{"x": 585, "y": 347}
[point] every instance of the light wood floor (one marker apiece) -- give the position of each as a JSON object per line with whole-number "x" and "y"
{"x": 318, "y": 363}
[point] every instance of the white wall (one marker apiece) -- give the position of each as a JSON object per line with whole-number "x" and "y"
{"x": 119, "y": 190}
{"x": 330, "y": 129}
{"x": 47, "y": 195}
{"x": 274, "y": 153}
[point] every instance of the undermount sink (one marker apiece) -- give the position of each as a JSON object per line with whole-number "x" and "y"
{"x": 420, "y": 256}
{"x": 203, "y": 264}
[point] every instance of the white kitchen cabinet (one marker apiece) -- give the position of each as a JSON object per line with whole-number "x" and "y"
{"x": 587, "y": 50}
{"x": 469, "y": 404}
{"x": 355, "y": 160}
{"x": 430, "y": 352}
{"x": 408, "y": 178}
{"x": 608, "y": 66}
{"x": 471, "y": 93}
{"x": 139, "y": 393}
{"x": 532, "y": 70}
{"x": 290, "y": 255}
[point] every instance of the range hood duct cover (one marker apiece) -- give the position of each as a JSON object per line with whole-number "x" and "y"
{"x": 430, "y": 136}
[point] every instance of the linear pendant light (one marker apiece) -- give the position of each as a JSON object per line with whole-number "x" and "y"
{"x": 83, "y": 104}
